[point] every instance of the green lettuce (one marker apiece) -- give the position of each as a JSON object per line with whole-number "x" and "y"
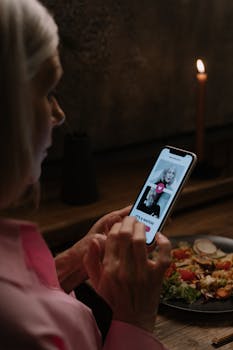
{"x": 174, "y": 288}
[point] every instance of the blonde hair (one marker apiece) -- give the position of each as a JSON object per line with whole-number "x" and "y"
{"x": 166, "y": 170}
{"x": 28, "y": 36}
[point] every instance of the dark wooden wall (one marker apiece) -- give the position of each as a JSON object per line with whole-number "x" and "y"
{"x": 130, "y": 74}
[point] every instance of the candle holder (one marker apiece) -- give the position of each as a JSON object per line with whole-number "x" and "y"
{"x": 78, "y": 175}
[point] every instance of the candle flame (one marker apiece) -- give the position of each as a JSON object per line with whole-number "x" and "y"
{"x": 200, "y": 66}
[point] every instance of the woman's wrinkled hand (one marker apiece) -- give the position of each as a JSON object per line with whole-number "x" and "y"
{"x": 124, "y": 276}
{"x": 69, "y": 264}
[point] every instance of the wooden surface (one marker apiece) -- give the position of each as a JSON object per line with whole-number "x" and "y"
{"x": 188, "y": 331}
{"x": 214, "y": 218}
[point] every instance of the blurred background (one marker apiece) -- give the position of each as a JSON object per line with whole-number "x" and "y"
{"x": 130, "y": 71}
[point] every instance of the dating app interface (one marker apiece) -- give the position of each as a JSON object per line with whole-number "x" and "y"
{"x": 159, "y": 190}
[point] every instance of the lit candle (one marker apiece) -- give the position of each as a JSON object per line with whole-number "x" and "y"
{"x": 201, "y": 78}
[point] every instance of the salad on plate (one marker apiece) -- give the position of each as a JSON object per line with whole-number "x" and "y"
{"x": 198, "y": 270}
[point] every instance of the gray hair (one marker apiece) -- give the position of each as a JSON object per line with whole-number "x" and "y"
{"x": 28, "y": 36}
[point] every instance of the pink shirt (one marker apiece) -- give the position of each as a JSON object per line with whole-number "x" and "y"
{"x": 35, "y": 313}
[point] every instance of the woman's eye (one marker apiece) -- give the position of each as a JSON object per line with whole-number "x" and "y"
{"x": 51, "y": 94}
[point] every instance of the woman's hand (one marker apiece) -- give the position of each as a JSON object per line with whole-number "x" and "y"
{"x": 69, "y": 264}
{"x": 104, "y": 224}
{"x": 124, "y": 276}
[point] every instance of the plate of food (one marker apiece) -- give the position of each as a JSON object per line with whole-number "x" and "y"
{"x": 200, "y": 276}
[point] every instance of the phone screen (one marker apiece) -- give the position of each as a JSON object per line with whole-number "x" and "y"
{"x": 161, "y": 188}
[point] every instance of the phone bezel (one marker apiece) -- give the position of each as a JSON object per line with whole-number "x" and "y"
{"x": 179, "y": 152}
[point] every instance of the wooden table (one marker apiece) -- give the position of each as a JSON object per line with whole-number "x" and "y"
{"x": 179, "y": 330}
{"x": 185, "y": 330}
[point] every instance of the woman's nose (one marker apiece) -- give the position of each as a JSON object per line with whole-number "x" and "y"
{"x": 58, "y": 115}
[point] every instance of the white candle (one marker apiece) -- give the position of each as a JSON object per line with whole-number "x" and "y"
{"x": 200, "y": 124}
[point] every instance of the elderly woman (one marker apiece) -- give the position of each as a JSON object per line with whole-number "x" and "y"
{"x": 37, "y": 310}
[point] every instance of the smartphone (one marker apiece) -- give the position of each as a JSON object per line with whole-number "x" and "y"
{"x": 161, "y": 189}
